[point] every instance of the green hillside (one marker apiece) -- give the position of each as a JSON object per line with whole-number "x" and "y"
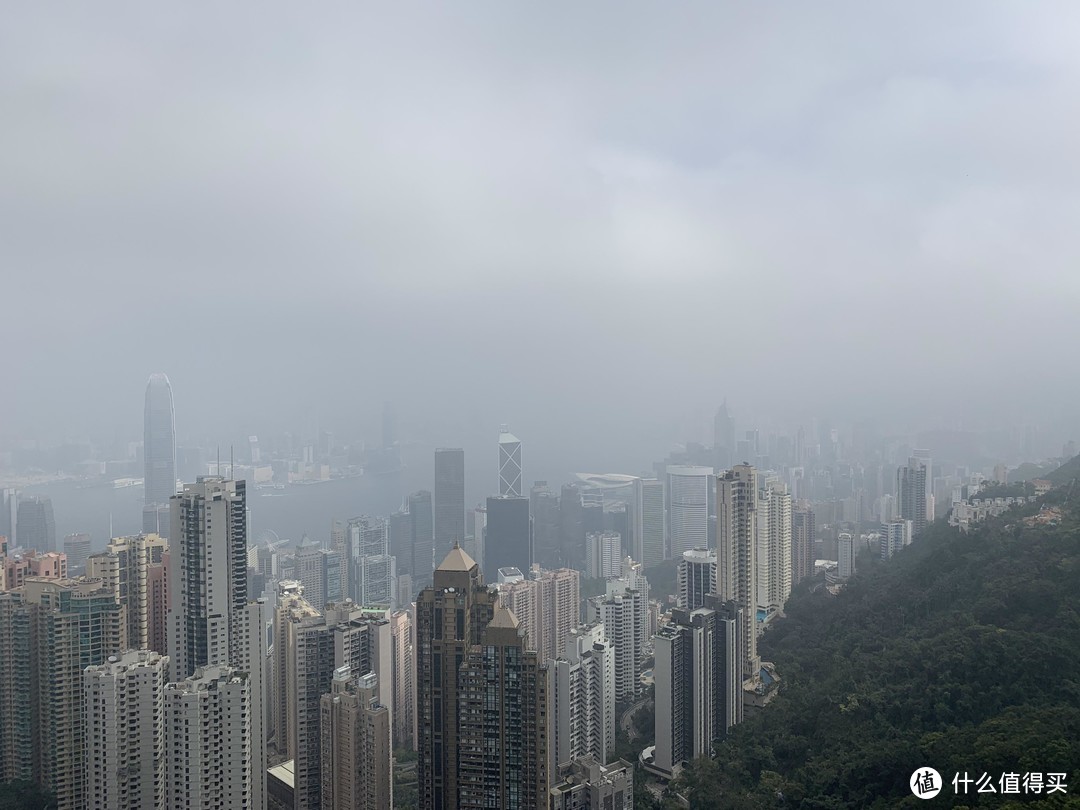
{"x": 962, "y": 654}
{"x": 1066, "y": 473}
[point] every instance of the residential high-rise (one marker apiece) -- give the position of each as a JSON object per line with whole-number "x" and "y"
{"x": 623, "y": 612}
{"x": 509, "y": 464}
{"x": 583, "y": 698}
{"x": 449, "y": 500}
{"x": 736, "y": 547}
{"x": 123, "y": 703}
{"x": 159, "y": 451}
{"x": 16, "y": 676}
{"x": 698, "y": 674}
{"x": 650, "y": 503}
{"x": 372, "y": 571}
{"x": 423, "y": 549}
{"x": 502, "y": 721}
{"x": 77, "y": 549}
{"x": 696, "y": 578}
{"x": 36, "y": 524}
{"x": 128, "y": 566}
{"x": 894, "y": 536}
{"x": 524, "y": 597}
{"x": 508, "y": 540}
{"x": 209, "y": 760}
{"x": 587, "y": 784}
{"x": 688, "y": 507}
{"x": 604, "y": 553}
{"x": 451, "y": 616}
{"x": 207, "y": 575}
{"x": 403, "y": 708}
{"x": 911, "y": 493}
{"x": 803, "y": 536}
{"x": 845, "y": 565}
{"x": 72, "y": 624}
{"x": 17, "y": 567}
{"x": 773, "y": 546}
{"x": 560, "y": 607}
{"x": 355, "y": 743}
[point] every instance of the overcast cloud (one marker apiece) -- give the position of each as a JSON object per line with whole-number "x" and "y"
{"x": 592, "y": 220}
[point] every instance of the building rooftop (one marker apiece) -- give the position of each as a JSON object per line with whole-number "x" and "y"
{"x": 457, "y": 560}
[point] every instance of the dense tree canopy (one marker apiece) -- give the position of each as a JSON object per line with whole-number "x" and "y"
{"x": 962, "y": 653}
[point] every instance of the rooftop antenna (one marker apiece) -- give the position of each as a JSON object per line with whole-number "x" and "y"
{"x": 217, "y": 469}
{"x": 230, "y": 461}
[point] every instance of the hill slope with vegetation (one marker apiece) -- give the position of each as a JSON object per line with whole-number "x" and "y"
{"x": 962, "y": 653}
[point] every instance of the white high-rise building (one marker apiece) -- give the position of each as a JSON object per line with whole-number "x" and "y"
{"x": 894, "y": 536}
{"x": 697, "y": 577}
{"x": 603, "y": 555}
{"x": 845, "y": 566}
{"x": 582, "y": 702}
{"x": 509, "y": 464}
{"x": 208, "y": 757}
{"x": 624, "y": 613}
{"x": 774, "y": 546}
{"x": 124, "y": 708}
{"x": 736, "y": 548}
{"x": 688, "y": 508}
{"x": 372, "y": 570}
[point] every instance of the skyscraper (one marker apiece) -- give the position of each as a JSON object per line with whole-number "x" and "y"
{"x": 508, "y": 541}
{"x": 623, "y": 611}
{"x": 650, "y": 503}
{"x": 36, "y": 524}
{"x": 544, "y": 508}
{"x": 77, "y": 549}
{"x": 911, "y": 493}
{"x": 451, "y": 616}
{"x": 502, "y": 721}
{"x": 774, "y": 546}
{"x": 723, "y": 438}
{"x": 688, "y": 508}
{"x": 803, "y": 536}
{"x": 355, "y": 743}
{"x": 9, "y": 516}
{"x": 423, "y": 554}
{"x": 403, "y": 708}
{"x": 209, "y": 761}
{"x": 509, "y": 464}
{"x": 372, "y": 570}
{"x": 583, "y": 698}
{"x": 736, "y": 547}
{"x": 127, "y": 567}
{"x": 604, "y": 553}
{"x": 572, "y": 526}
{"x": 208, "y": 575}
{"x": 449, "y": 500}
{"x": 159, "y": 451}
{"x": 123, "y": 702}
{"x": 845, "y": 566}
{"x": 697, "y": 578}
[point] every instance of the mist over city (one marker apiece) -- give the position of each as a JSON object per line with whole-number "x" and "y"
{"x": 637, "y": 327}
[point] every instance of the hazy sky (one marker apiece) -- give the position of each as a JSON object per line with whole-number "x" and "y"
{"x": 590, "y": 220}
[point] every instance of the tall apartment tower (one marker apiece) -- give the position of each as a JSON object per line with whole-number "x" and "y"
{"x": 688, "y": 507}
{"x": 894, "y": 536}
{"x": 356, "y": 747}
{"x": 560, "y": 608}
{"x": 423, "y": 549}
{"x": 509, "y": 464}
{"x": 159, "y": 452}
{"x": 583, "y": 698}
{"x": 124, "y": 707}
{"x": 451, "y": 616}
{"x": 372, "y": 570}
{"x": 698, "y": 673}
{"x": 502, "y": 721}
{"x": 736, "y": 548}
{"x": 449, "y": 500}
{"x": 72, "y": 624}
{"x": 774, "y": 547}
{"x": 403, "y": 708}
{"x": 211, "y": 621}
{"x": 208, "y": 574}
{"x": 650, "y": 503}
{"x": 696, "y": 578}
{"x": 911, "y": 493}
{"x": 623, "y": 612}
{"x": 508, "y": 541}
{"x": 16, "y": 728}
{"x": 604, "y": 554}
{"x": 803, "y": 536}
{"x": 208, "y": 757}
{"x": 845, "y": 565}
{"x": 133, "y": 568}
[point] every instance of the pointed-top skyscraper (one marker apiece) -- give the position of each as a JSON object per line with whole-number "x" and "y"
{"x": 509, "y": 464}
{"x": 159, "y": 454}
